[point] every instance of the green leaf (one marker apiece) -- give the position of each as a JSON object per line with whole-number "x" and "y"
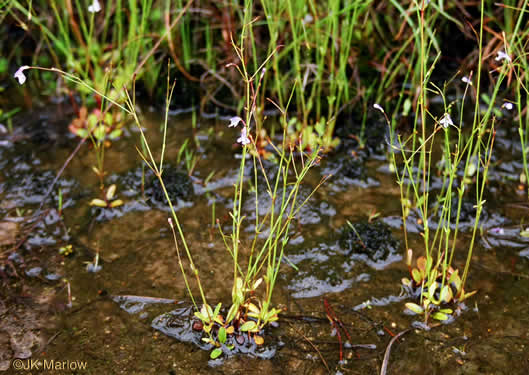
{"x": 439, "y": 316}
{"x": 249, "y": 326}
{"x": 446, "y": 294}
{"x": 464, "y": 295}
{"x": 99, "y": 133}
{"x": 215, "y": 353}
{"x": 201, "y": 317}
{"x": 431, "y": 289}
{"x": 271, "y": 316}
{"x": 82, "y": 133}
{"x": 406, "y": 107}
{"x": 320, "y": 127}
{"x": 116, "y": 133}
{"x": 91, "y": 122}
{"x": 416, "y": 275}
{"x": 414, "y": 307}
{"x": 207, "y": 327}
{"x": 472, "y": 168}
{"x": 232, "y": 312}
{"x": 3, "y": 65}
{"x": 454, "y": 278}
{"x": 222, "y": 335}
{"x": 108, "y": 119}
{"x": 217, "y": 310}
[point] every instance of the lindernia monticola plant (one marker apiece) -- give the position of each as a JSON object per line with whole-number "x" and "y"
{"x": 256, "y": 258}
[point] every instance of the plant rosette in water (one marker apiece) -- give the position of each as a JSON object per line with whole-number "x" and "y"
{"x": 242, "y": 323}
{"x": 439, "y": 290}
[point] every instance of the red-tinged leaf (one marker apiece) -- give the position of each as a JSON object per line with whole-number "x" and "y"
{"x": 258, "y": 340}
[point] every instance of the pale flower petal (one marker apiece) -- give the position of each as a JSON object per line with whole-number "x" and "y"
{"x": 508, "y": 106}
{"x": 466, "y": 80}
{"x": 377, "y": 106}
{"x": 446, "y": 121}
{"x": 503, "y": 56}
{"x": 234, "y": 121}
{"x": 95, "y": 7}
{"x": 307, "y": 19}
{"x": 243, "y": 139}
{"x": 19, "y": 74}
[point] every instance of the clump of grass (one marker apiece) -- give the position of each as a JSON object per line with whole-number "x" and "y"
{"x": 465, "y": 162}
{"x": 333, "y": 55}
{"x": 251, "y": 307}
{"x": 254, "y": 273}
{"x": 90, "y": 41}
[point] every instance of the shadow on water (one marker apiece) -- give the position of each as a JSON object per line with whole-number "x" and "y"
{"x": 133, "y": 315}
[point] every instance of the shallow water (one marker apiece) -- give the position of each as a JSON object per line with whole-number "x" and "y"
{"x": 114, "y": 328}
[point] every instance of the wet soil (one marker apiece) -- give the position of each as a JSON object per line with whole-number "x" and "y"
{"x": 118, "y": 319}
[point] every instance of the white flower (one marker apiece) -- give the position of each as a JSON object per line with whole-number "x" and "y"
{"x": 508, "y": 106}
{"x": 498, "y": 230}
{"x": 234, "y": 121}
{"x": 19, "y": 74}
{"x": 503, "y": 56}
{"x": 466, "y": 80}
{"x": 95, "y": 7}
{"x": 377, "y": 106}
{"x": 446, "y": 121}
{"x": 243, "y": 139}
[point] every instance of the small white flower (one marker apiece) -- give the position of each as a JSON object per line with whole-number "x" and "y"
{"x": 503, "y": 56}
{"x": 446, "y": 121}
{"x": 508, "y": 106}
{"x": 498, "y": 230}
{"x": 377, "y": 106}
{"x": 307, "y": 19}
{"x": 243, "y": 139}
{"x": 95, "y": 7}
{"x": 466, "y": 80}
{"x": 19, "y": 74}
{"x": 234, "y": 121}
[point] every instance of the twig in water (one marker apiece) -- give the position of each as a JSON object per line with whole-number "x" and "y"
{"x": 388, "y": 351}
{"x": 314, "y": 347}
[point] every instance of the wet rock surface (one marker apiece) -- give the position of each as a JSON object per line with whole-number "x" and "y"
{"x": 181, "y": 325}
{"x": 375, "y": 240}
{"x": 177, "y": 183}
{"x": 373, "y": 139}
